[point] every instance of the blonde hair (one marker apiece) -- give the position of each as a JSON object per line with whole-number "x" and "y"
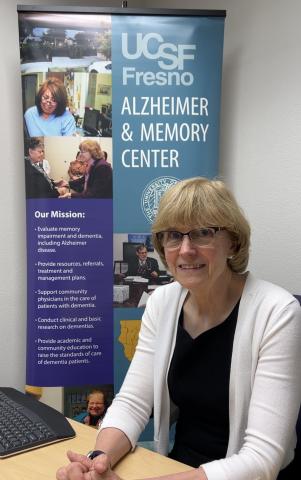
{"x": 201, "y": 202}
{"x": 93, "y": 147}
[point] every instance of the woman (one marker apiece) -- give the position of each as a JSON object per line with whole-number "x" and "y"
{"x": 97, "y": 182}
{"x": 50, "y": 117}
{"x": 96, "y": 409}
{"x": 220, "y": 344}
{"x": 37, "y": 181}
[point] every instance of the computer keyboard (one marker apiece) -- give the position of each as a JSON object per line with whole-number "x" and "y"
{"x": 26, "y": 423}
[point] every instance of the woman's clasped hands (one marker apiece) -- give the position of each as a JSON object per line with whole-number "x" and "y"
{"x": 83, "y": 468}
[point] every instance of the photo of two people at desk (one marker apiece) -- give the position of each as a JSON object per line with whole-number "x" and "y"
{"x": 139, "y": 272}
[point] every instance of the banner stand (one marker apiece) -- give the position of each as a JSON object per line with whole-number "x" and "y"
{"x": 119, "y": 104}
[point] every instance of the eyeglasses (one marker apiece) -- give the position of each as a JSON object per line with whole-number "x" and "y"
{"x": 201, "y": 237}
{"x": 47, "y": 99}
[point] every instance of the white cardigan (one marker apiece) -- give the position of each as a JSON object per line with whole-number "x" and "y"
{"x": 265, "y": 380}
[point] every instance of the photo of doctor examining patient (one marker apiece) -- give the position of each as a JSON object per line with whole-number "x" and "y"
{"x": 70, "y": 167}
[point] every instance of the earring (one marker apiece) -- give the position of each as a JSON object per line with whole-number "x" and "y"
{"x": 230, "y": 257}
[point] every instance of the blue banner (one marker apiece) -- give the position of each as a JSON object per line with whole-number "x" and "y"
{"x": 166, "y": 101}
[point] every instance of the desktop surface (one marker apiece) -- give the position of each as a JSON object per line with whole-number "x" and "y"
{"x": 42, "y": 463}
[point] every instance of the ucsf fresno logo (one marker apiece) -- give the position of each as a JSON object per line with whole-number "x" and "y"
{"x": 171, "y": 58}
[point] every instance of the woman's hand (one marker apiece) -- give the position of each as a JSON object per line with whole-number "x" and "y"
{"x": 83, "y": 468}
{"x": 87, "y": 420}
{"x": 61, "y": 183}
{"x": 64, "y": 194}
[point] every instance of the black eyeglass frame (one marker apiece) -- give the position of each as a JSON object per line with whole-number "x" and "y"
{"x": 160, "y": 235}
{"x": 47, "y": 99}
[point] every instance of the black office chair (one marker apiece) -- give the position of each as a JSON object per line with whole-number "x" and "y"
{"x": 105, "y": 125}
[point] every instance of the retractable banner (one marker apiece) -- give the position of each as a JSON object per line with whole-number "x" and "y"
{"x": 117, "y": 107}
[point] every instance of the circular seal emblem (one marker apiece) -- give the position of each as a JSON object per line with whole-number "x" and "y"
{"x": 152, "y": 193}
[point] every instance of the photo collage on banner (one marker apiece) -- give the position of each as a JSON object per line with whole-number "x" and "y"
{"x": 67, "y": 102}
{"x": 117, "y": 108}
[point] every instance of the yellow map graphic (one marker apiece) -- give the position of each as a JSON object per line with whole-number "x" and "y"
{"x": 129, "y": 331}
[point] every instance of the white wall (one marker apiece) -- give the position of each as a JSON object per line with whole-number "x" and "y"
{"x": 260, "y": 148}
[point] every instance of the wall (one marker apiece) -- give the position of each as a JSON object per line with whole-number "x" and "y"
{"x": 259, "y": 155}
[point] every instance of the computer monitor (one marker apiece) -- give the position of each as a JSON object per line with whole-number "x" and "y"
{"x": 91, "y": 121}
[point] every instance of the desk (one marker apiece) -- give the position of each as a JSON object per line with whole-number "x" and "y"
{"x": 136, "y": 289}
{"x": 42, "y": 463}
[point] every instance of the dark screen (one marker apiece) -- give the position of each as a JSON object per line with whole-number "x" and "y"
{"x": 91, "y": 119}
{"x": 129, "y": 251}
